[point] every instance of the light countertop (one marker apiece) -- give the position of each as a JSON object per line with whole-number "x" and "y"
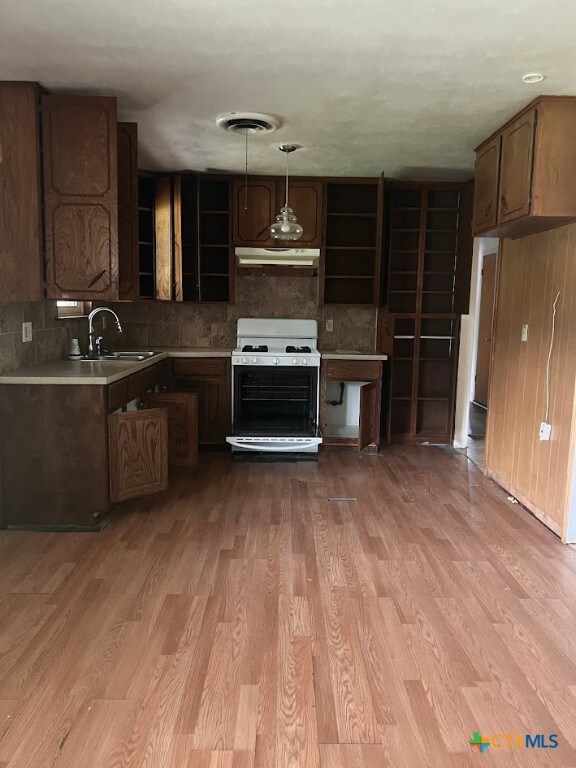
{"x": 99, "y": 372}
{"x": 349, "y": 354}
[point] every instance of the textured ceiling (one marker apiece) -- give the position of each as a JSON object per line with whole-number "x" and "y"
{"x": 407, "y": 87}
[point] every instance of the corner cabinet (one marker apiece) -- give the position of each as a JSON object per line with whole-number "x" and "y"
{"x": 525, "y": 179}
{"x": 20, "y": 193}
{"x": 129, "y": 434}
{"x": 80, "y": 197}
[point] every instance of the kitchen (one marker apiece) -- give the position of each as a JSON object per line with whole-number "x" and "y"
{"x": 238, "y": 523}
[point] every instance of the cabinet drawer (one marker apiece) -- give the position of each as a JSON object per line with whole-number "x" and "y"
{"x": 117, "y": 395}
{"x": 201, "y": 366}
{"x": 142, "y": 381}
{"x": 353, "y": 370}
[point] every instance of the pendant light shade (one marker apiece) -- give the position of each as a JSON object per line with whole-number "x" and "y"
{"x": 286, "y": 226}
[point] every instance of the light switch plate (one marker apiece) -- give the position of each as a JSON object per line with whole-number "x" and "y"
{"x": 329, "y": 326}
{"x": 524, "y": 336}
{"x": 26, "y": 332}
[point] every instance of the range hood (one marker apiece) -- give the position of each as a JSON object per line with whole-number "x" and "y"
{"x": 277, "y": 257}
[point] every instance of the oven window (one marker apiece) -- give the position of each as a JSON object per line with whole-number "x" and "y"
{"x": 275, "y": 402}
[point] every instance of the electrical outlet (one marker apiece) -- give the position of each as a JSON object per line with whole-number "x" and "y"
{"x": 329, "y": 326}
{"x": 524, "y": 336}
{"x": 545, "y": 430}
{"x": 26, "y": 332}
{"x": 103, "y": 320}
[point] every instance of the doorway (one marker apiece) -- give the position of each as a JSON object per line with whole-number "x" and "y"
{"x": 485, "y": 321}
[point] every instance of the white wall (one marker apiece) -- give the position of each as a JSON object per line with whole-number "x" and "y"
{"x": 469, "y": 342}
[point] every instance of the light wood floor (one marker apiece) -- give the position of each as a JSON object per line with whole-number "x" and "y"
{"x": 358, "y": 613}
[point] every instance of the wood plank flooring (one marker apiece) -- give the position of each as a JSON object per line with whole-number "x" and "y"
{"x": 362, "y": 612}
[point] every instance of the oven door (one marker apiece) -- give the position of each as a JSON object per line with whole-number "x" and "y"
{"x": 275, "y": 409}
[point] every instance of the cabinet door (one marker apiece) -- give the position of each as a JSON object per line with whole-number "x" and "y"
{"x": 182, "y": 425}
{"x": 306, "y": 198}
{"x": 486, "y": 186}
{"x": 80, "y": 197}
{"x": 20, "y": 226}
{"x": 516, "y": 168}
{"x": 138, "y": 453}
{"x": 254, "y": 212}
{"x": 369, "y": 423}
{"x": 127, "y": 138}
{"x": 213, "y": 407}
{"x": 163, "y": 239}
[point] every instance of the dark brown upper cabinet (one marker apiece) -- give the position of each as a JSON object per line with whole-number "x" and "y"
{"x": 257, "y": 205}
{"x": 127, "y": 138}
{"x": 20, "y": 190}
{"x": 525, "y": 179}
{"x": 80, "y": 196}
{"x": 486, "y": 185}
{"x": 306, "y": 198}
{"x": 254, "y": 212}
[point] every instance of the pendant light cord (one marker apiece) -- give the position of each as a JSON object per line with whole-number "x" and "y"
{"x": 287, "y": 156}
{"x": 246, "y": 170}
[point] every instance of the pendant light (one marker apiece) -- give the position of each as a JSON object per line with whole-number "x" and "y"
{"x": 286, "y": 226}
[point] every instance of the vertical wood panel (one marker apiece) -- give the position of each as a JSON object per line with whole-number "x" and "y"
{"x": 532, "y": 270}
{"x": 20, "y": 241}
{"x": 127, "y": 138}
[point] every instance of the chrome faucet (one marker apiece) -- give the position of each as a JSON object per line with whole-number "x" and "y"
{"x": 93, "y": 341}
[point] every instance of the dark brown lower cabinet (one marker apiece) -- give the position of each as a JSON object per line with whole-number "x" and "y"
{"x": 138, "y": 453}
{"x": 341, "y": 424}
{"x": 67, "y": 452}
{"x": 182, "y": 410}
{"x": 209, "y": 378}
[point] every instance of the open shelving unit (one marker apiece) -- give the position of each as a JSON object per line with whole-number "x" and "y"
{"x": 215, "y": 257}
{"x": 146, "y": 237}
{"x": 429, "y": 256}
{"x": 352, "y": 252}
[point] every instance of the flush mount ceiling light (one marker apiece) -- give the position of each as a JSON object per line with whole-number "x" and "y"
{"x": 247, "y": 123}
{"x": 532, "y": 77}
{"x": 286, "y": 226}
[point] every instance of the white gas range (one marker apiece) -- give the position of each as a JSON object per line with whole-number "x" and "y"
{"x": 275, "y": 388}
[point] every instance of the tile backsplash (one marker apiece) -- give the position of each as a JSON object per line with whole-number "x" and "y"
{"x": 159, "y": 324}
{"x": 50, "y": 336}
{"x": 149, "y": 324}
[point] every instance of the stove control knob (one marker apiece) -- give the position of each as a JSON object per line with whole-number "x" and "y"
{"x": 244, "y": 361}
{"x": 304, "y": 361}
{"x": 276, "y": 361}
{"x": 295, "y": 361}
{"x": 254, "y": 360}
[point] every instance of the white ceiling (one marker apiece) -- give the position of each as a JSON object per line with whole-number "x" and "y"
{"x": 407, "y": 87}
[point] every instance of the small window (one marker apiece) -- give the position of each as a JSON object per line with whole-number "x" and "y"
{"x": 73, "y": 308}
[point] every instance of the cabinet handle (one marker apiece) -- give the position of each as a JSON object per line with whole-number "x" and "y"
{"x": 99, "y": 276}
{"x": 503, "y": 203}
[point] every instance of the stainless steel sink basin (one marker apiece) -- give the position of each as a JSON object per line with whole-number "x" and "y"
{"x": 120, "y": 357}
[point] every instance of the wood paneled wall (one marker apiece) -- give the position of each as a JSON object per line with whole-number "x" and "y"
{"x": 532, "y": 270}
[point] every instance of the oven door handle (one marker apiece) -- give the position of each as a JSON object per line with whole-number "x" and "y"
{"x": 280, "y": 446}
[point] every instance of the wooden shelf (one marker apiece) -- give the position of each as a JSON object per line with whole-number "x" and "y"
{"x": 349, "y": 277}
{"x": 352, "y": 215}
{"x": 145, "y": 242}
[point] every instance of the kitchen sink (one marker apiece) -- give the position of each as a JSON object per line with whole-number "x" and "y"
{"x": 120, "y": 357}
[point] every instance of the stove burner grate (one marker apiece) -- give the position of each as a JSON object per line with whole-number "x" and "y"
{"x": 290, "y": 348}
{"x": 252, "y": 348}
